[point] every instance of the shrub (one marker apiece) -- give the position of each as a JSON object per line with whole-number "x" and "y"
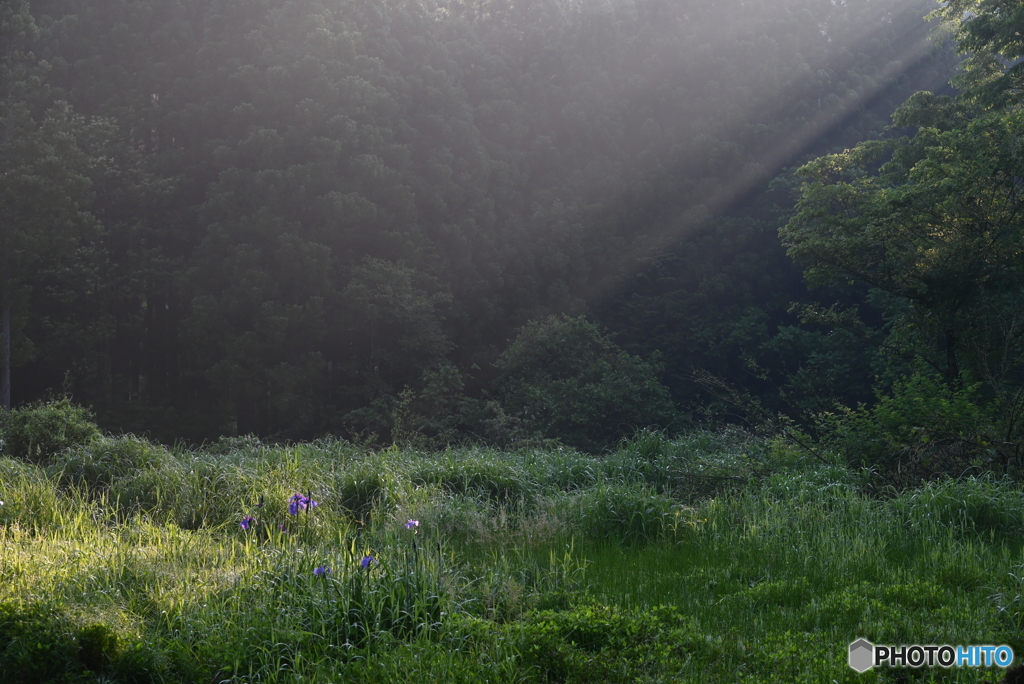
{"x": 31, "y": 500}
{"x": 37, "y": 644}
{"x": 925, "y": 428}
{"x": 226, "y": 445}
{"x": 107, "y": 459}
{"x": 38, "y": 432}
{"x": 98, "y": 647}
{"x": 971, "y": 505}
{"x": 566, "y": 380}
{"x": 624, "y": 513}
{"x": 603, "y": 643}
{"x": 363, "y": 486}
{"x": 477, "y": 474}
{"x": 195, "y": 491}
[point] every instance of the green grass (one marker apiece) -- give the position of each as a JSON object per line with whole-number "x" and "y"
{"x": 711, "y": 557}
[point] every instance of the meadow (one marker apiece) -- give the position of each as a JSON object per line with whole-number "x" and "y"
{"x": 707, "y": 557}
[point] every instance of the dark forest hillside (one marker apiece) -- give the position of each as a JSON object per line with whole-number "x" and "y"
{"x": 334, "y": 216}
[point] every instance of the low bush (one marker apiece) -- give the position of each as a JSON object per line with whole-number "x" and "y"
{"x": 564, "y": 380}
{"x": 924, "y": 429}
{"x": 41, "y": 643}
{"x": 98, "y": 464}
{"x": 39, "y": 432}
{"x": 983, "y": 505}
{"x": 38, "y": 644}
{"x": 485, "y": 475}
{"x": 31, "y": 501}
{"x": 626, "y": 513}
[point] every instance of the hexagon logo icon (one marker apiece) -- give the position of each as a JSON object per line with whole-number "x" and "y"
{"x": 862, "y": 655}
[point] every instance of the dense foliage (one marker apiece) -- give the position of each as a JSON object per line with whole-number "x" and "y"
{"x": 276, "y": 217}
{"x": 564, "y": 378}
{"x": 932, "y": 223}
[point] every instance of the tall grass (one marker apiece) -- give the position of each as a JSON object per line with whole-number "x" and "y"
{"x": 710, "y": 557}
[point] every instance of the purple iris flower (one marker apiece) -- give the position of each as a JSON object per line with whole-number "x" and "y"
{"x": 411, "y": 524}
{"x": 247, "y": 522}
{"x": 321, "y": 571}
{"x": 298, "y": 502}
{"x": 367, "y": 561}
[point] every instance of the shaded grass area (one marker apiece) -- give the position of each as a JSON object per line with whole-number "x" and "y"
{"x": 710, "y": 557}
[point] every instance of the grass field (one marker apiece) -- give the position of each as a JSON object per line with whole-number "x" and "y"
{"x": 711, "y": 557}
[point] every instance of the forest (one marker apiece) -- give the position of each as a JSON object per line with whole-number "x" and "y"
{"x": 496, "y": 221}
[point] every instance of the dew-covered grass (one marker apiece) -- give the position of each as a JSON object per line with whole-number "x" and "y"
{"x": 710, "y": 557}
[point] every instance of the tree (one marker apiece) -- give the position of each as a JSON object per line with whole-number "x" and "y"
{"x": 989, "y": 32}
{"x": 938, "y": 228}
{"x": 933, "y": 223}
{"x": 568, "y": 381}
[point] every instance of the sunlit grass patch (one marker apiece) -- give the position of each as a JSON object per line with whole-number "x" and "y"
{"x": 323, "y": 563}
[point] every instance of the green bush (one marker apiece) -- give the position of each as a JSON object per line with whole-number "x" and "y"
{"x": 37, "y": 644}
{"x": 107, "y": 459}
{"x": 194, "y": 491}
{"x": 624, "y": 513}
{"x": 98, "y": 647}
{"x": 31, "y": 500}
{"x": 363, "y": 486}
{"x": 971, "y": 505}
{"x": 923, "y": 429}
{"x": 563, "y": 379}
{"x": 39, "y": 432}
{"x": 592, "y": 643}
{"x": 479, "y": 474}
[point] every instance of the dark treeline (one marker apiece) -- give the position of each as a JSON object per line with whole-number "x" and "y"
{"x": 301, "y": 217}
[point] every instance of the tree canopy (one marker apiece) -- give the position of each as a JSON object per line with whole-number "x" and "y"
{"x": 938, "y": 227}
{"x": 933, "y": 223}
